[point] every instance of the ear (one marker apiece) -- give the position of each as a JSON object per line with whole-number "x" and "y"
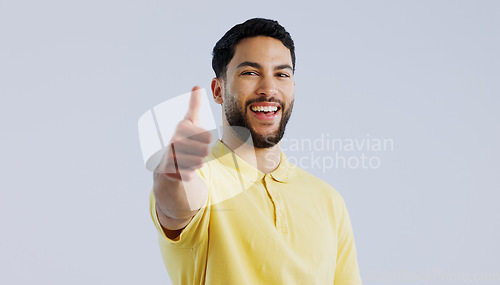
{"x": 217, "y": 90}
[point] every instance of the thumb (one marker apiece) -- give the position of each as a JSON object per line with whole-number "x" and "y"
{"x": 193, "y": 113}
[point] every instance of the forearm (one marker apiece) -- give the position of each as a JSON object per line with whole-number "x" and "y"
{"x": 178, "y": 201}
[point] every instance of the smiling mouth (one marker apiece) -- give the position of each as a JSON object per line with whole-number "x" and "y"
{"x": 265, "y": 109}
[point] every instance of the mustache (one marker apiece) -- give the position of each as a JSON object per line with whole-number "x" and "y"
{"x": 264, "y": 99}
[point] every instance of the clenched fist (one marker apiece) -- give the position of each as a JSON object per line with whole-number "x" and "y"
{"x": 189, "y": 144}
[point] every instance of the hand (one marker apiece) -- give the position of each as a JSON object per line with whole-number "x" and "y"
{"x": 189, "y": 144}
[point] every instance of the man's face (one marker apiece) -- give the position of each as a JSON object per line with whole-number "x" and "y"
{"x": 259, "y": 89}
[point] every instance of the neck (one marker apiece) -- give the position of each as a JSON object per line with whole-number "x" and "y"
{"x": 264, "y": 159}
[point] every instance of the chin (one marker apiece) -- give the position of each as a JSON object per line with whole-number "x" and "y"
{"x": 265, "y": 140}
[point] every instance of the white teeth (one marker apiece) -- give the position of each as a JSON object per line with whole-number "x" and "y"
{"x": 265, "y": 109}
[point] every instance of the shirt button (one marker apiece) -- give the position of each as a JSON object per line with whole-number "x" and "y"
{"x": 280, "y": 214}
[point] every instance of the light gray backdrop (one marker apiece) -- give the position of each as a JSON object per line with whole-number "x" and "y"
{"x": 76, "y": 75}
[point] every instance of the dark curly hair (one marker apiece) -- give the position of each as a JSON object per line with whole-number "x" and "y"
{"x": 224, "y": 49}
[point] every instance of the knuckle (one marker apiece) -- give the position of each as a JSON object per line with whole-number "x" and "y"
{"x": 206, "y": 136}
{"x": 181, "y": 142}
{"x": 182, "y": 126}
{"x": 175, "y": 138}
{"x": 206, "y": 150}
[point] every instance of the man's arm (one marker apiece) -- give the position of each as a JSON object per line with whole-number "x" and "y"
{"x": 178, "y": 190}
{"x": 178, "y": 201}
{"x": 347, "y": 270}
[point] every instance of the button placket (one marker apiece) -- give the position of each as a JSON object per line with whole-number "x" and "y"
{"x": 279, "y": 209}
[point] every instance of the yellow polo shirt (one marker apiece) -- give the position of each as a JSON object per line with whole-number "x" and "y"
{"x": 285, "y": 227}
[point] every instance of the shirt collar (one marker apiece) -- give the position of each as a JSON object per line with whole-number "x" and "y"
{"x": 229, "y": 159}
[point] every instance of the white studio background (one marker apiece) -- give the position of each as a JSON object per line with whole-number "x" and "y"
{"x": 76, "y": 75}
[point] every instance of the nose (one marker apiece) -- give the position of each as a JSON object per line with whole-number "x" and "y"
{"x": 267, "y": 86}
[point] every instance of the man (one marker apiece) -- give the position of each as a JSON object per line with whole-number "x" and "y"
{"x": 241, "y": 213}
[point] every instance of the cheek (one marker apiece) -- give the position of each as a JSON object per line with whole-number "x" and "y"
{"x": 241, "y": 98}
{"x": 289, "y": 90}
{"x": 290, "y": 96}
{"x": 233, "y": 102}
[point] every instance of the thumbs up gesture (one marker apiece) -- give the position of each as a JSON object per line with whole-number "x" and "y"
{"x": 189, "y": 144}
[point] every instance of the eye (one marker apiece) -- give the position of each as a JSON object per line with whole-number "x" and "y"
{"x": 249, "y": 73}
{"x": 283, "y": 75}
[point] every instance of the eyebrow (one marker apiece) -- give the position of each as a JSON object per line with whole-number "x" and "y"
{"x": 256, "y": 65}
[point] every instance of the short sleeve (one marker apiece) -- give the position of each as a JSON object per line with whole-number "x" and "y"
{"x": 347, "y": 269}
{"x": 197, "y": 229}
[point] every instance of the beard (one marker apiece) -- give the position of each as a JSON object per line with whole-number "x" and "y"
{"x": 237, "y": 119}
